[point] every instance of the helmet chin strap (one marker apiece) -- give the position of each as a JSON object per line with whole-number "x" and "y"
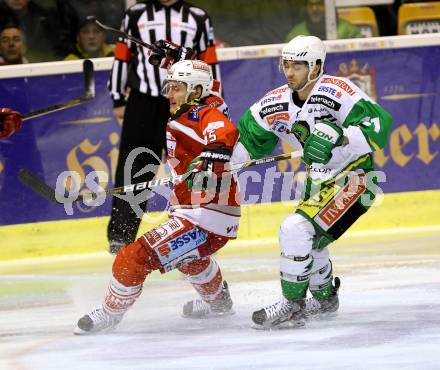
{"x": 188, "y": 93}
{"x": 193, "y": 101}
{"x": 309, "y": 81}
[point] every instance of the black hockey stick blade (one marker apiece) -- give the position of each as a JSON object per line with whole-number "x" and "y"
{"x": 34, "y": 183}
{"x": 37, "y": 185}
{"x": 89, "y": 93}
{"x": 89, "y": 80}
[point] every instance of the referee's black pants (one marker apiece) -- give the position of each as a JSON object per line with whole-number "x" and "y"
{"x": 144, "y": 125}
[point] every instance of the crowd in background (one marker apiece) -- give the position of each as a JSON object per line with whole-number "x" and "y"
{"x": 49, "y": 30}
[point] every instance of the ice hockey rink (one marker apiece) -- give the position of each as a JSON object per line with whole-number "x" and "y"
{"x": 389, "y": 315}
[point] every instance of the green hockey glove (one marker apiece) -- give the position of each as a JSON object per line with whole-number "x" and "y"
{"x": 318, "y": 147}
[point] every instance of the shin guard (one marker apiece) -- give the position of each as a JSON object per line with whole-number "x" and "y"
{"x": 120, "y": 298}
{"x": 206, "y": 278}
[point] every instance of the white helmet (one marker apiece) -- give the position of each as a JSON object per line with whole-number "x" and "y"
{"x": 192, "y": 73}
{"x": 305, "y": 49}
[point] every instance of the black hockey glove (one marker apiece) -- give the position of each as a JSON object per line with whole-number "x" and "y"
{"x": 208, "y": 168}
{"x": 167, "y": 53}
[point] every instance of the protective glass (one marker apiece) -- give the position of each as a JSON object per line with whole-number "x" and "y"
{"x": 172, "y": 86}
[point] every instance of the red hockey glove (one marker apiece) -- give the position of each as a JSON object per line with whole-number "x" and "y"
{"x": 209, "y": 167}
{"x": 10, "y": 121}
{"x": 168, "y": 53}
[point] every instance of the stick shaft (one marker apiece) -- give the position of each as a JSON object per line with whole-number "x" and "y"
{"x": 89, "y": 93}
{"x": 37, "y": 185}
{"x": 174, "y": 179}
{"x": 127, "y": 36}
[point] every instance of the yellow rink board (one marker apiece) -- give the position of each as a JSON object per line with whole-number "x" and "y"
{"x": 258, "y": 229}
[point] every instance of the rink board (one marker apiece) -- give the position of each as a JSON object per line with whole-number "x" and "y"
{"x": 85, "y": 138}
{"x": 399, "y": 213}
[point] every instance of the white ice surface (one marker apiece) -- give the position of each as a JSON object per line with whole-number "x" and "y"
{"x": 389, "y": 319}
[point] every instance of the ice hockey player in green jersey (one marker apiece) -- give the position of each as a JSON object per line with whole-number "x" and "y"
{"x": 338, "y": 127}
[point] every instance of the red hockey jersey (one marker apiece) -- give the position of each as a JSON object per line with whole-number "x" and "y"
{"x": 187, "y": 136}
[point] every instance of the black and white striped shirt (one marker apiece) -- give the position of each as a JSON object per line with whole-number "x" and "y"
{"x": 180, "y": 23}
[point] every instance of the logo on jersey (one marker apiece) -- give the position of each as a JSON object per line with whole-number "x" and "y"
{"x": 330, "y": 90}
{"x": 270, "y": 109}
{"x": 278, "y": 117}
{"x": 324, "y": 100}
{"x": 342, "y": 202}
{"x": 317, "y": 110}
{"x": 158, "y": 234}
{"x": 176, "y": 24}
{"x": 194, "y": 114}
{"x": 324, "y": 170}
{"x": 171, "y": 144}
{"x": 181, "y": 245}
{"x": 212, "y": 126}
{"x": 232, "y": 229}
{"x": 280, "y": 90}
{"x": 270, "y": 99}
{"x": 340, "y": 83}
{"x": 189, "y": 240}
{"x": 278, "y": 121}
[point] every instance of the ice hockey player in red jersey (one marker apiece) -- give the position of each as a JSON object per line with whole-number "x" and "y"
{"x": 10, "y": 121}
{"x": 203, "y": 213}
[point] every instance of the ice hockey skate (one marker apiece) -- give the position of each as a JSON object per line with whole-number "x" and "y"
{"x": 97, "y": 321}
{"x": 198, "y": 308}
{"x": 315, "y": 308}
{"x": 279, "y": 315}
{"x": 114, "y": 247}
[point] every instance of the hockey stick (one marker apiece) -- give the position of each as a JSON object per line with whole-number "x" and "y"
{"x": 239, "y": 166}
{"x": 40, "y": 187}
{"x": 129, "y": 37}
{"x": 89, "y": 93}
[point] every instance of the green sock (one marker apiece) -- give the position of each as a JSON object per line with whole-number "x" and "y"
{"x": 294, "y": 290}
{"x": 324, "y": 293}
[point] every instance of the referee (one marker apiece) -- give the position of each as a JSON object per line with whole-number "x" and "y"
{"x": 135, "y": 87}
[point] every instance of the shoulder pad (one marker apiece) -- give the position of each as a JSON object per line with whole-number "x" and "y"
{"x": 278, "y": 90}
{"x": 214, "y": 101}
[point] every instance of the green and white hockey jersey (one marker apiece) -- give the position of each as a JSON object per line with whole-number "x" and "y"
{"x": 366, "y": 125}
{"x": 267, "y": 121}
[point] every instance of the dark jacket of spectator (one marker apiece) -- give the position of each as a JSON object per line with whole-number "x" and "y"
{"x": 39, "y": 26}
{"x": 90, "y": 41}
{"x": 72, "y": 11}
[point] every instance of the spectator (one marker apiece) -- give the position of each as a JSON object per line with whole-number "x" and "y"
{"x": 90, "y": 41}
{"x": 70, "y": 13}
{"x": 147, "y": 111}
{"x": 314, "y": 24}
{"x": 37, "y": 25}
{"x": 12, "y": 46}
{"x": 7, "y": 16}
